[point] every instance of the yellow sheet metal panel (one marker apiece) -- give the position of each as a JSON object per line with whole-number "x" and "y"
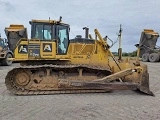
{"x": 48, "y": 50}
{"x": 21, "y": 51}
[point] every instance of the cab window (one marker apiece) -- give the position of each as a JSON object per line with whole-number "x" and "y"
{"x": 63, "y": 39}
{"x": 1, "y": 43}
{"x": 43, "y": 32}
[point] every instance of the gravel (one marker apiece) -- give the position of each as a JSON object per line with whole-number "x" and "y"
{"x": 117, "y": 105}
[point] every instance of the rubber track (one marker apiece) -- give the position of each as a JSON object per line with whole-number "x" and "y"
{"x": 18, "y": 91}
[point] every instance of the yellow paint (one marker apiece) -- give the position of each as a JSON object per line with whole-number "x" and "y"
{"x": 50, "y": 48}
{"x": 95, "y": 53}
{"x": 20, "y": 56}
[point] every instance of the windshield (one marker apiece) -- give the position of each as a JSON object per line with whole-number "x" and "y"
{"x": 43, "y": 32}
{"x": 1, "y": 43}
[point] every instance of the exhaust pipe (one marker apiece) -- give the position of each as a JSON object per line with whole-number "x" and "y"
{"x": 86, "y": 32}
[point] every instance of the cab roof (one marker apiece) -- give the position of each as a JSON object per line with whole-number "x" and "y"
{"x": 47, "y": 21}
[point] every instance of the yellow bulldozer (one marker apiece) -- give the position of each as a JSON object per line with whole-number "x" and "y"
{"x": 51, "y": 63}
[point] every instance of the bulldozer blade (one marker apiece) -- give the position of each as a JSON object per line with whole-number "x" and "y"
{"x": 106, "y": 83}
{"x": 144, "y": 85}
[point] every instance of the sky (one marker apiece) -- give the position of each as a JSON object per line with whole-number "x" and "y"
{"x": 105, "y": 15}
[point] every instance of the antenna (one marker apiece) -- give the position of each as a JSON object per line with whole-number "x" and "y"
{"x": 120, "y": 43}
{"x": 60, "y": 19}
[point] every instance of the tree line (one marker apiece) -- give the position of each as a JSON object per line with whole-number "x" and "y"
{"x": 129, "y": 54}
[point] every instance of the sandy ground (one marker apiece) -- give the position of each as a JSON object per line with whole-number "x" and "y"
{"x": 118, "y": 105}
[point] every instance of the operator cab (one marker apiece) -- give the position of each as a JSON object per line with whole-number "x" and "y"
{"x": 51, "y": 31}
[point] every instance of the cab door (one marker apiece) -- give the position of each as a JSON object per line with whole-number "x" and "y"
{"x": 63, "y": 39}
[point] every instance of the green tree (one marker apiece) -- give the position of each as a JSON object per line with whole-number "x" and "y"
{"x": 133, "y": 54}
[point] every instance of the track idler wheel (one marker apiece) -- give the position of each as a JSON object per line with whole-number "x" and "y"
{"x": 22, "y": 78}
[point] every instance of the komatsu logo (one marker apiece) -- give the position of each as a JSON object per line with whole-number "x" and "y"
{"x": 22, "y": 49}
{"x": 47, "y": 47}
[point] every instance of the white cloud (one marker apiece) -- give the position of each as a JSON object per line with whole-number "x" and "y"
{"x": 105, "y": 15}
